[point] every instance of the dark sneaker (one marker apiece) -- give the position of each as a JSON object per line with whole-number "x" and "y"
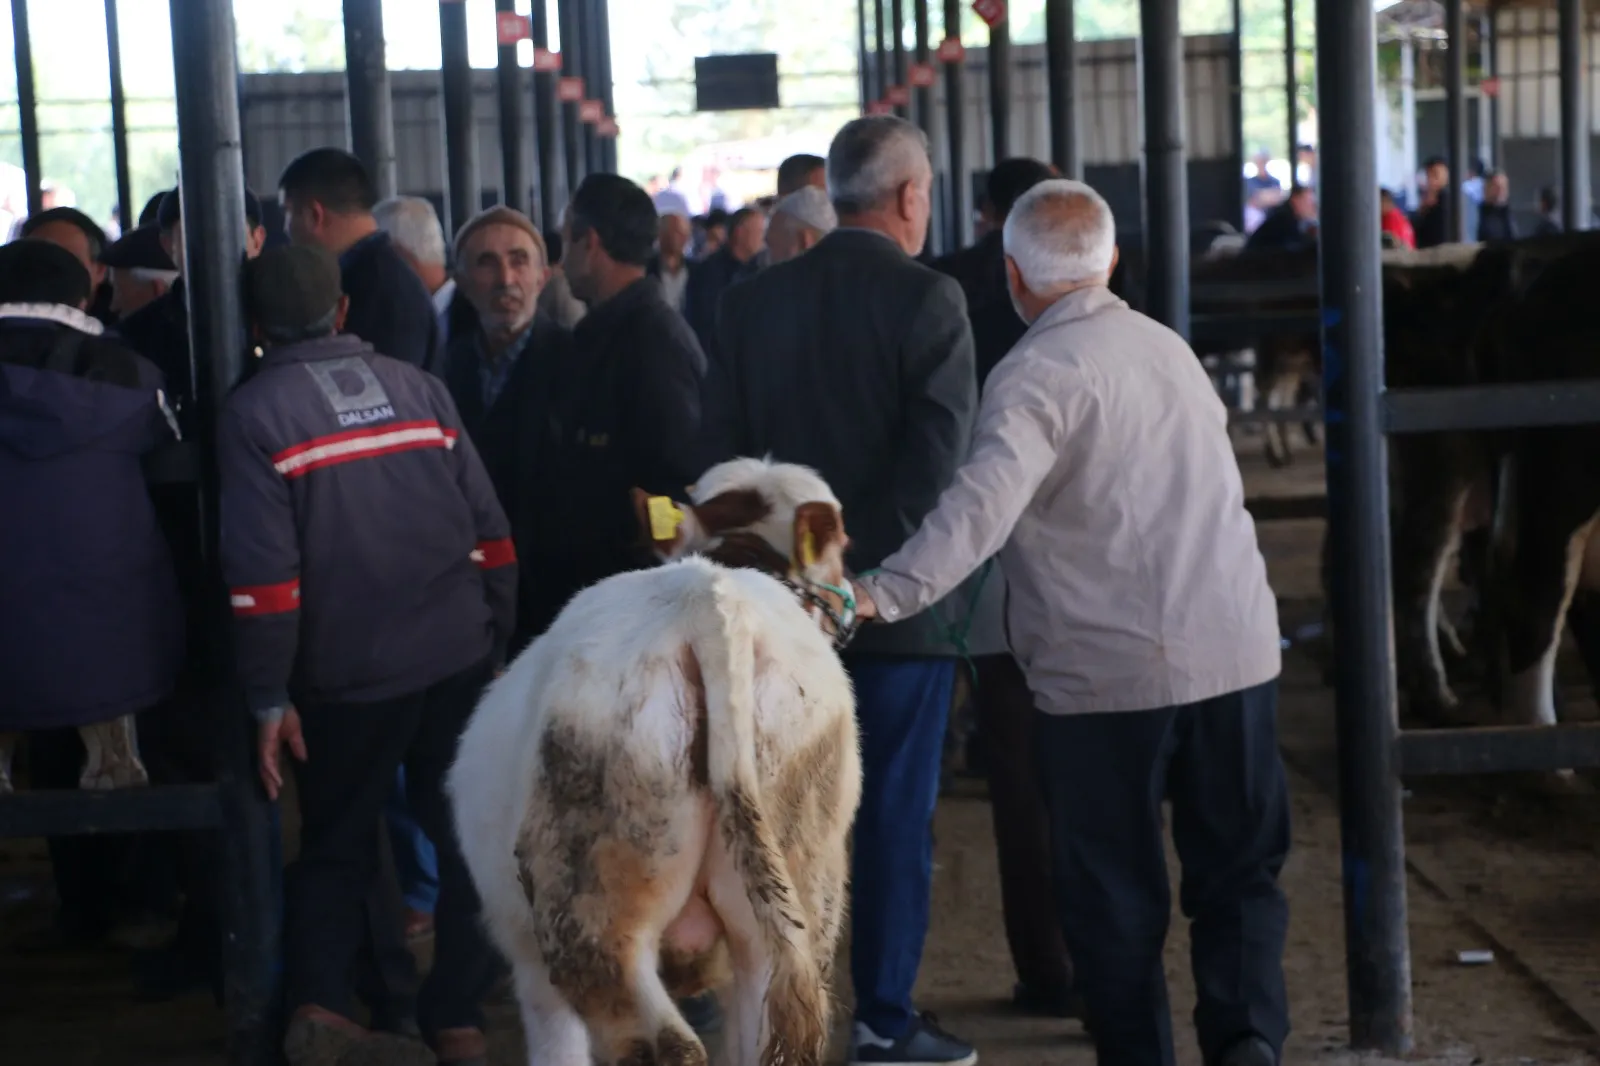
{"x": 1251, "y": 1051}
{"x": 923, "y": 1044}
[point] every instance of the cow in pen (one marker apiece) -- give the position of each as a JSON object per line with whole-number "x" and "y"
{"x": 657, "y": 795}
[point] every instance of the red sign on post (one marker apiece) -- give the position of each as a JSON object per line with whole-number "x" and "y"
{"x": 510, "y": 27}
{"x": 880, "y": 107}
{"x": 607, "y": 127}
{"x": 1490, "y": 87}
{"x": 545, "y": 61}
{"x": 898, "y": 96}
{"x": 591, "y": 112}
{"x": 992, "y": 12}
{"x": 951, "y": 50}
{"x": 569, "y": 90}
{"x": 920, "y": 75}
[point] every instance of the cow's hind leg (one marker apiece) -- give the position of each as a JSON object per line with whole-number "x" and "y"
{"x": 8, "y": 746}
{"x": 554, "y": 1032}
{"x": 113, "y": 755}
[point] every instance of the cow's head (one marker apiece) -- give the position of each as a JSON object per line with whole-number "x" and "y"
{"x": 778, "y": 518}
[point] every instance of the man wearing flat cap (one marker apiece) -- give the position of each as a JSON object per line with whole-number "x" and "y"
{"x": 141, "y": 270}
{"x": 504, "y": 376}
{"x": 373, "y": 580}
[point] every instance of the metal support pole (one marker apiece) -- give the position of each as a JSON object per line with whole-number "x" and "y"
{"x": 607, "y": 96}
{"x": 880, "y": 66}
{"x": 212, "y": 182}
{"x": 955, "y": 110}
{"x": 1236, "y": 108}
{"x": 1166, "y": 183}
{"x": 460, "y": 134}
{"x": 508, "y": 82}
{"x": 924, "y": 94}
{"x": 367, "y": 88}
{"x": 588, "y": 48}
{"x": 1455, "y": 106}
{"x": 127, "y": 210}
{"x": 1061, "y": 72}
{"x": 1489, "y": 106}
{"x": 1575, "y": 190}
{"x": 1358, "y": 499}
{"x": 1291, "y": 88}
{"x": 571, "y": 67}
{"x": 27, "y": 106}
{"x": 544, "y": 119}
{"x": 1000, "y": 90}
{"x": 864, "y": 71}
{"x": 897, "y": 26}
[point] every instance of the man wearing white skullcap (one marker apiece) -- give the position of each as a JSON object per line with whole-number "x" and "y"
{"x": 799, "y": 221}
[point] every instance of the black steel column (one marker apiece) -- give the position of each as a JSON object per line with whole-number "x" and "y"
{"x": 367, "y": 89}
{"x": 1236, "y": 109}
{"x": 924, "y": 94}
{"x": 1358, "y": 498}
{"x": 544, "y": 118}
{"x": 880, "y": 63}
{"x": 607, "y": 96}
{"x": 590, "y": 67}
{"x": 508, "y": 80}
{"x": 1061, "y": 73}
{"x": 897, "y": 25}
{"x": 1455, "y": 106}
{"x": 571, "y": 67}
{"x": 864, "y": 72}
{"x": 27, "y": 105}
{"x": 1575, "y": 190}
{"x": 127, "y": 210}
{"x": 212, "y": 180}
{"x": 955, "y": 109}
{"x": 1166, "y": 182}
{"x": 1000, "y": 89}
{"x": 1487, "y": 37}
{"x": 1291, "y": 88}
{"x": 460, "y": 136}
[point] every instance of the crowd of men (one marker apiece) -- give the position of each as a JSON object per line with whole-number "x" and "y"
{"x": 430, "y": 454}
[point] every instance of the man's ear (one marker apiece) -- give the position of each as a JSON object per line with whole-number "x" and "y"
{"x": 668, "y": 527}
{"x": 817, "y": 525}
{"x": 1116, "y": 256}
{"x": 905, "y": 200}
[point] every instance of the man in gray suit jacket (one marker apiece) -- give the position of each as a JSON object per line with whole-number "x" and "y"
{"x": 856, "y": 360}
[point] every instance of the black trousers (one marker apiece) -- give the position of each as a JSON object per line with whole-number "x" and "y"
{"x": 1021, "y": 827}
{"x": 1105, "y": 777}
{"x": 353, "y": 751}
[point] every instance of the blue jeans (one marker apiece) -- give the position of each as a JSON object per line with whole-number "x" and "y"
{"x": 415, "y": 862}
{"x": 902, "y": 705}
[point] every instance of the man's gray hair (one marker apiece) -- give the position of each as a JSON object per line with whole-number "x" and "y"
{"x": 809, "y": 206}
{"x": 1061, "y": 233}
{"x": 412, "y": 223}
{"x": 870, "y": 158}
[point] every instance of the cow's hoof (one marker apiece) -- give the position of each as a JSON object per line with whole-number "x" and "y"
{"x": 1561, "y": 784}
{"x": 107, "y": 777}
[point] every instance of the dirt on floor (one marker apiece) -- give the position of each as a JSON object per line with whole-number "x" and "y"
{"x": 74, "y": 1008}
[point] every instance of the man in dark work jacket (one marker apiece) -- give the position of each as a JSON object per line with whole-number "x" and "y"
{"x": 630, "y": 414}
{"x": 327, "y": 201}
{"x": 503, "y": 376}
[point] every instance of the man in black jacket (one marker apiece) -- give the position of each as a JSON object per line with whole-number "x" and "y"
{"x": 630, "y": 414}
{"x": 857, "y": 361}
{"x": 734, "y": 261}
{"x": 327, "y": 201}
{"x": 503, "y": 376}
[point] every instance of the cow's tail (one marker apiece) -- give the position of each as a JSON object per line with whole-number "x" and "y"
{"x": 723, "y": 642}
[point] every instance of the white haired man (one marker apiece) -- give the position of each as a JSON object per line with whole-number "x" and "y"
{"x": 799, "y": 221}
{"x": 856, "y": 360}
{"x": 1102, "y": 474}
{"x": 418, "y": 235}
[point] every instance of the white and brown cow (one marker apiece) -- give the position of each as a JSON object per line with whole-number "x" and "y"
{"x": 657, "y": 795}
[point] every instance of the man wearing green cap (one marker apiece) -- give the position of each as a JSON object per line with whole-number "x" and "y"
{"x": 373, "y": 583}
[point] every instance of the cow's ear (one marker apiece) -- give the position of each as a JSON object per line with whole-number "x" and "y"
{"x": 817, "y": 527}
{"x": 667, "y": 526}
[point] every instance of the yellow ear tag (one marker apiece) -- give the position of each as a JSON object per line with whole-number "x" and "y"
{"x": 665, "y": 518}
{"x": 808, "y": 547}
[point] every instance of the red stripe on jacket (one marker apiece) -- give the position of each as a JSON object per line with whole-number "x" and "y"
{"x": 251, "y": 601}
{"x": 494, "y": 553}
{"x": 368, "y": 443}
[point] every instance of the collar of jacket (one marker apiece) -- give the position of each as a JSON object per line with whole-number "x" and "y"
{"x": 1082, "y": 303}
{"x": 60, "y": 314}
{"x": 334, "y": 346}
{"x": 362, "y": 247}
{"x": 601, "y": 317}
{"x": 861, "y": 237}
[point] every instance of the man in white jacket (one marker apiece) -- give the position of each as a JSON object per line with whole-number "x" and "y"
{"x": 1102, "y": 474}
